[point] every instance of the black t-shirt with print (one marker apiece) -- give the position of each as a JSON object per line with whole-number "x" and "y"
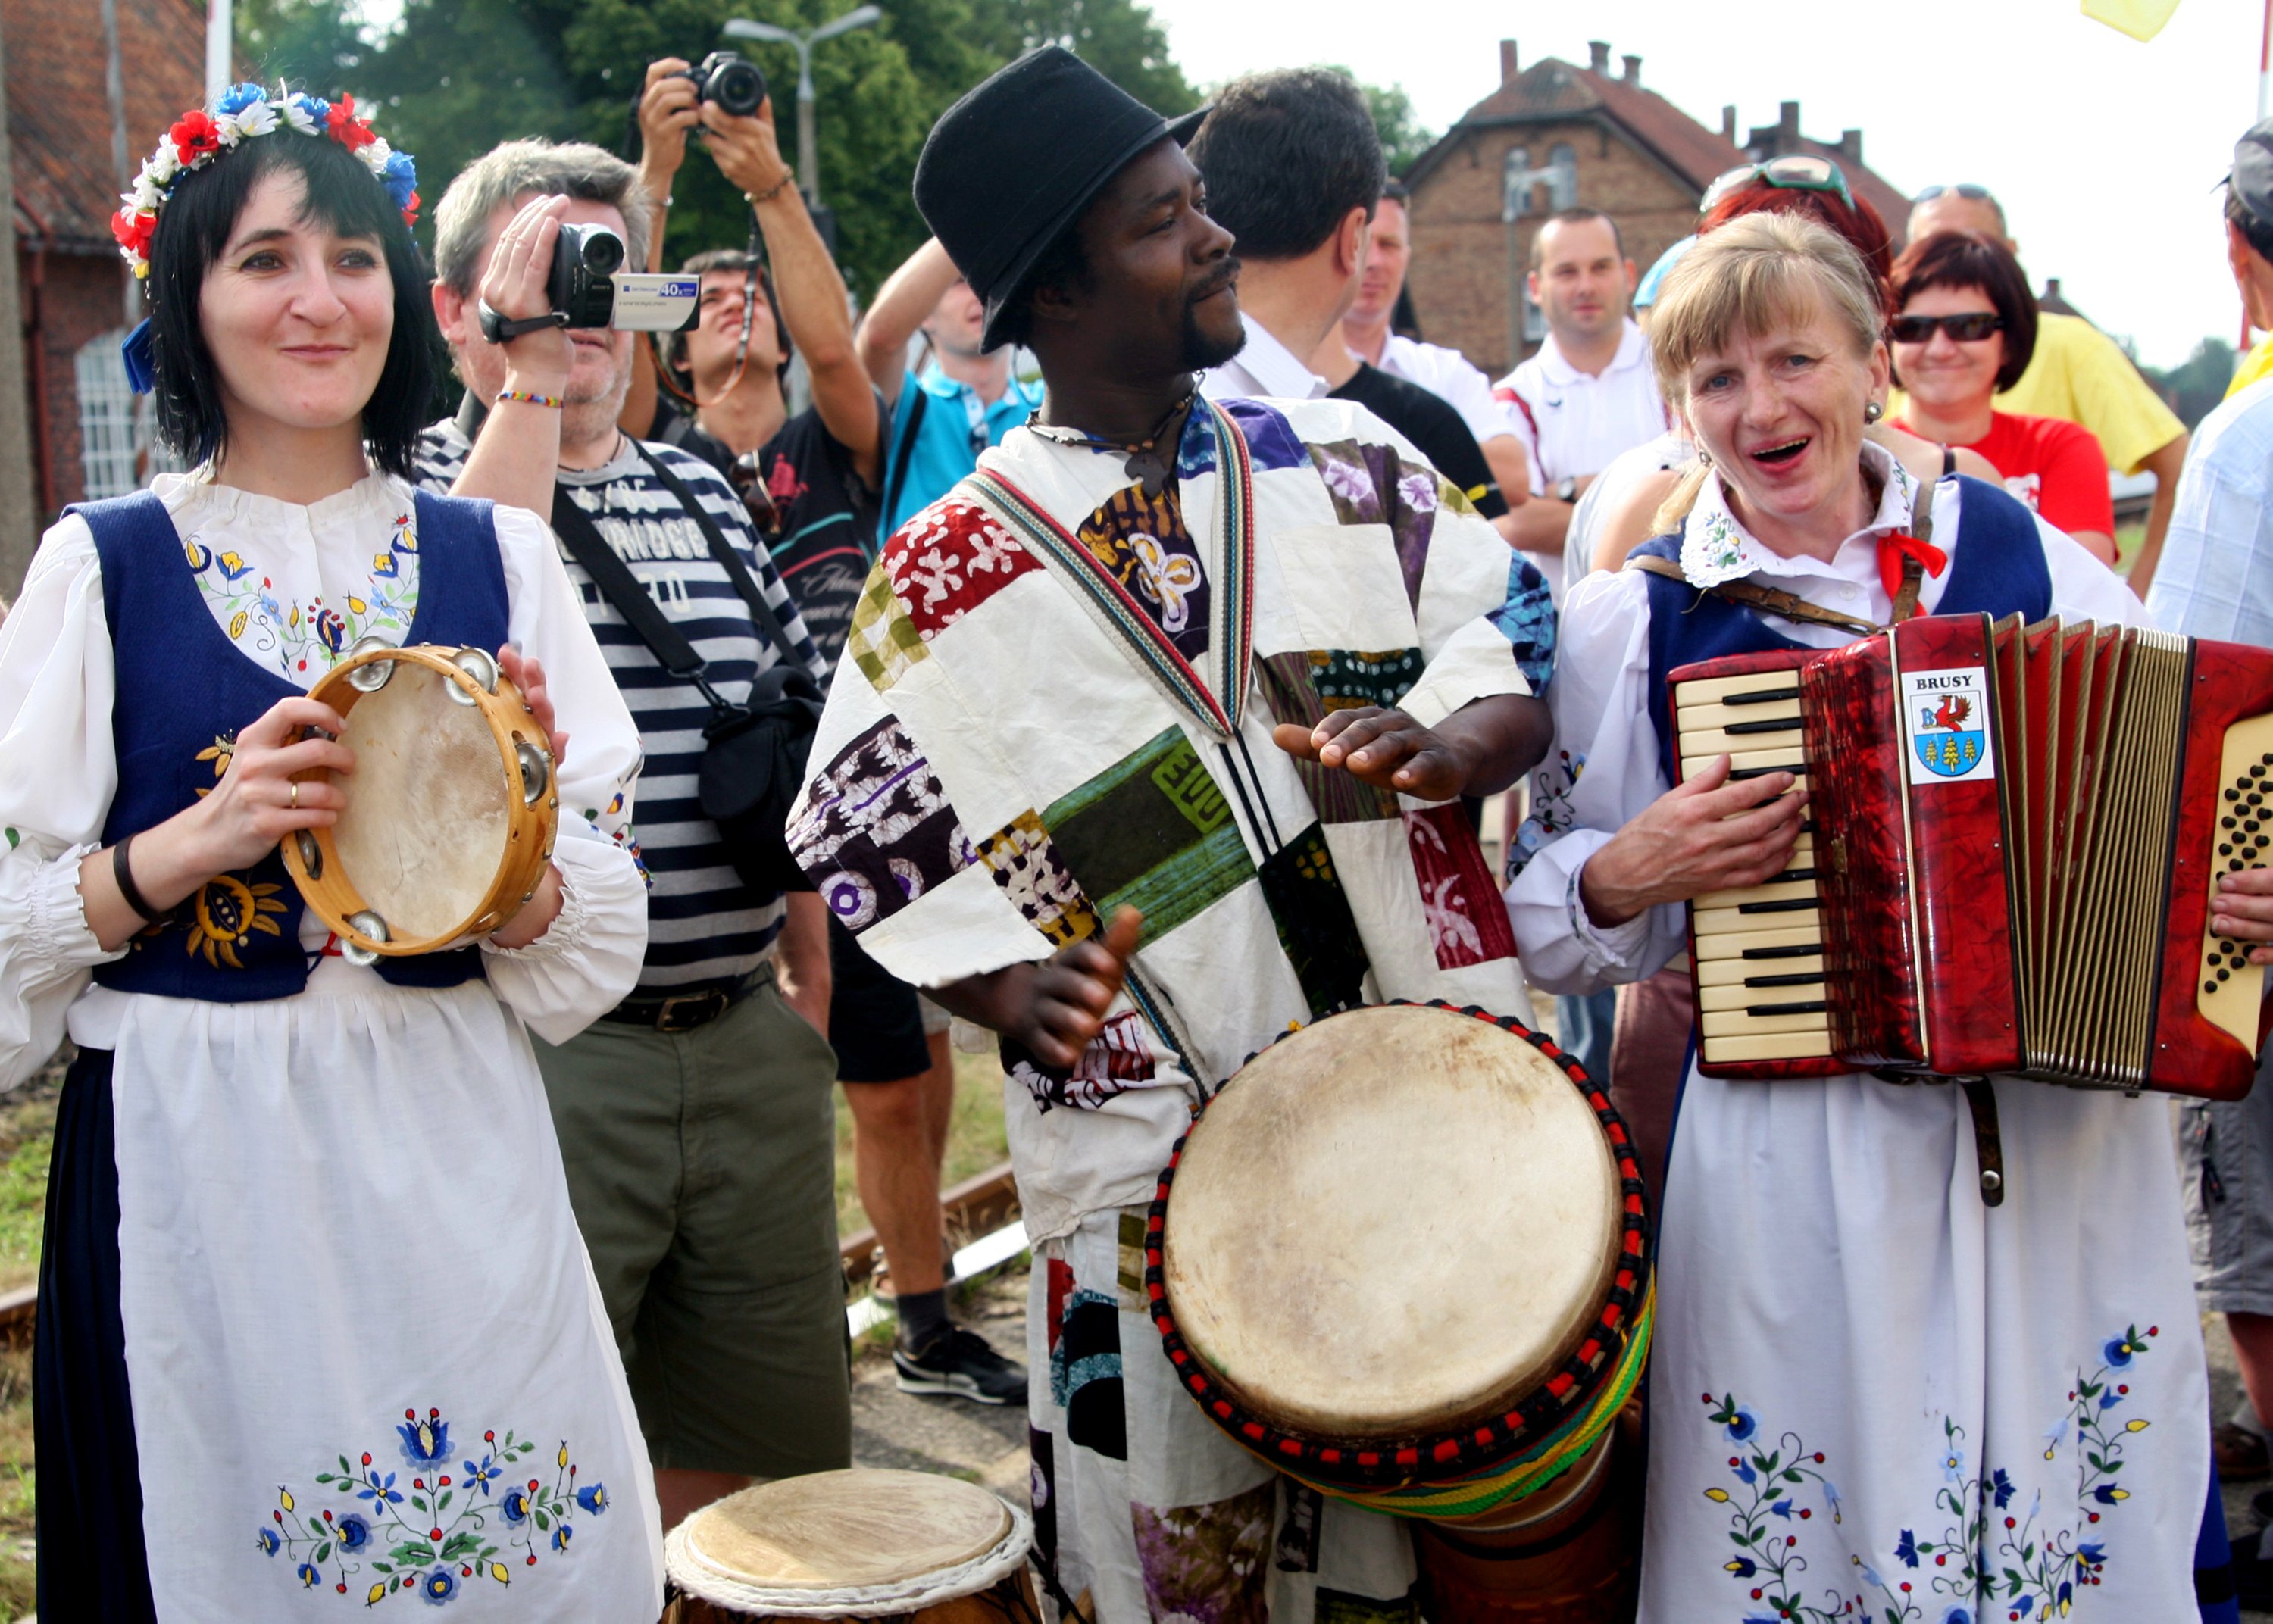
{"x": 1435, "y": 428}
{"x": 823, "y": 531}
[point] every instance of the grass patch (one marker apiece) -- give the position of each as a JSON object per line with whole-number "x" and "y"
{"x": 975, "y": 1137}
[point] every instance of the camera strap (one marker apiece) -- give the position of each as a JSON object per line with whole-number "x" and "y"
{"x": 729, "y": 560}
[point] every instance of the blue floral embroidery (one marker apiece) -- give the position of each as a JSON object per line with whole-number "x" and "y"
{"x": 2026, "y": 1567}
{"x": 1552, "y": 785}
{"x": 430, "y": 1535}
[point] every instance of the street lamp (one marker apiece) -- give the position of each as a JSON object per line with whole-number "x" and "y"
{"x": 808, "y": 159}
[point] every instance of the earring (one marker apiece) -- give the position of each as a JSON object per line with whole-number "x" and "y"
{"x": 1704, "y": 456}
{"x": 1872, "y": 412}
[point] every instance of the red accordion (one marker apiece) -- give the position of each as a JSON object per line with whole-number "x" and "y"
{"x": 2013, "y": 836}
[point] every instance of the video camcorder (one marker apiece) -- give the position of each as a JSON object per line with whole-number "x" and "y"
{"x": 588, "y": 288}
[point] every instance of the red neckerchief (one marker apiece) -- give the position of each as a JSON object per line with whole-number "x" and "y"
{"x": 1895, "y": 546}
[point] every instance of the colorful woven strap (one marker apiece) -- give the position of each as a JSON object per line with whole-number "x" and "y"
{"x": 1231, "y": 647}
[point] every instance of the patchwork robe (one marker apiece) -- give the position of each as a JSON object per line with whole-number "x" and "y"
{"x": 1017, "y": 750}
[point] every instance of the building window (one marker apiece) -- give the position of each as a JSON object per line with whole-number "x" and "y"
{"x": 117, "y": 431}
{"x": 1520, "y": 183}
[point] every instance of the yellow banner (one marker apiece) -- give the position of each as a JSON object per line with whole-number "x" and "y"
{"x": 2142, "y": 19}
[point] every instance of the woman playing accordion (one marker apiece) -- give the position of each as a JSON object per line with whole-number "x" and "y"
{"x": 1873, "y": 1393}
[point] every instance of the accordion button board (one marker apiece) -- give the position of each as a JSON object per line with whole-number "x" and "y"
{"x": 1760, "y": 948}
{"x": 2232, "y": 988}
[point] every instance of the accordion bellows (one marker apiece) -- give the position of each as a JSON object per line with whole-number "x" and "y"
{"x": 2014, "y": 833}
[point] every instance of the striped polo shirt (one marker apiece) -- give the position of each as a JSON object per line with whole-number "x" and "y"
{"x": 703, "y": 924}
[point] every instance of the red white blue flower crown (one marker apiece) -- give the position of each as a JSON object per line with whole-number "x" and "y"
{"x": 200, "y": 137}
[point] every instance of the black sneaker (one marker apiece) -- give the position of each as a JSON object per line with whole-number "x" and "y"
{"x": 960, "y": 1365}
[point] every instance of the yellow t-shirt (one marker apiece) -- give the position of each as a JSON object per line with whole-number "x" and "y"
{"x": 2256, "y": 364}
{"x": 2077, "y": 373}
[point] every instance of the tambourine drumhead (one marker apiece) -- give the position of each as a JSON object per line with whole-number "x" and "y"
{"x": 836, "y": 1531}
{"x": 427, "y": 822}
{"x": 450, "y": 811}
{"x": 1394, "y": 1222}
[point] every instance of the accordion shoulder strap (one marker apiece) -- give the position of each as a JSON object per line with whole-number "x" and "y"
{"x": 1786, "y": 605}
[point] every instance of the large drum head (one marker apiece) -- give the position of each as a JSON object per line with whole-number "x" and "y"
{"x": 427, "y": 821}
{"x": 849, "y": 1544}
{"x": 1396, "y": 1221}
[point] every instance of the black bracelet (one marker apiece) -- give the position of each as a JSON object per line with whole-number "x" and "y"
{"x": 123, "y": 872}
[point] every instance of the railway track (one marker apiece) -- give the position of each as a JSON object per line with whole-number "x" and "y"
{"x": 973, "y": 1211}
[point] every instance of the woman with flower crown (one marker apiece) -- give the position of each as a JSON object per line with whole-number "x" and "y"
{"x": 316, "y": 1329}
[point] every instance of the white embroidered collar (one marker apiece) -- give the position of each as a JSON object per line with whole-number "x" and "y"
{"x": 1715, "y": 546}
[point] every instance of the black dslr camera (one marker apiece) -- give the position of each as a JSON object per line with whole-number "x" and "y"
{"x": 588, "y": 287}
{"x": 729, "y": 81}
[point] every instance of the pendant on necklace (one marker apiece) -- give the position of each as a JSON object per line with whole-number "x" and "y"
{"x": 1146, "y": 467}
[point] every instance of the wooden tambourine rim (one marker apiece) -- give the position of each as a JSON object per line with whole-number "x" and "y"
{"x": 1434, "y": 1456}
{"x": 517, "y": 873}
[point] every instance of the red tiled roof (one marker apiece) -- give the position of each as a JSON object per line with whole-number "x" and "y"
{"x": 59, "y": 116}
{"x": 1551, "y": 89}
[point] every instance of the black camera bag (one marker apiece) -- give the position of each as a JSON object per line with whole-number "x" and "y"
{"x": 755, "y": 762}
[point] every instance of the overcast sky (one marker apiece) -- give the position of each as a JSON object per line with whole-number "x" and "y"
{"x": 2105, "y": 152}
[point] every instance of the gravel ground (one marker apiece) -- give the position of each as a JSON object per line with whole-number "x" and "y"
{"x": 988, "y": 1445}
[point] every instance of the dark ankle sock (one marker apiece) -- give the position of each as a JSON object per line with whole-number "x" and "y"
{"x": 923, "y": 1317}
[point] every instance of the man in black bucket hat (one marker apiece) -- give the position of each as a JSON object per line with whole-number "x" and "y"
{"x": 1116, "y": 769}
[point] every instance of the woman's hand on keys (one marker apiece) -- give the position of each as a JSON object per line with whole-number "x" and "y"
{"x": 2242, "y": 911}
{"x": 1706, "y": 835}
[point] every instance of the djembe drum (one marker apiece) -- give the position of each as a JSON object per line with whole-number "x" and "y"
{"x": 1402, "y": 1256}
{"x": 451, "y": 810}
{"x": 854, "y": 1544}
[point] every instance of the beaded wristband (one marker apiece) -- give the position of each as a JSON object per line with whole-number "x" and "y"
{"x": 530, "y": 397}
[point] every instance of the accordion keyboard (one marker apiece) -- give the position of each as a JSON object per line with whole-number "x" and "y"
{"x": 1759, "y": 949}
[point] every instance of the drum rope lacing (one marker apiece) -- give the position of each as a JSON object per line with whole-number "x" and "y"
{"x": 694, "y": 1573}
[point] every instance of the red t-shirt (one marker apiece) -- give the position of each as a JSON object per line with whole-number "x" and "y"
{"x": 2054, "y": 466}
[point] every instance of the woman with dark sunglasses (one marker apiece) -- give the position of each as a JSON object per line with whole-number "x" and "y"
{"x": 1964, "y": 328}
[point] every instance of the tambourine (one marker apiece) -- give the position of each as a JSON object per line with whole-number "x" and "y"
{"x": 451, "y": 810}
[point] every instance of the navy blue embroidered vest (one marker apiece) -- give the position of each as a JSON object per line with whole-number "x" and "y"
{"x": 1996, "y": 567}
{"x": 183, "y": 690}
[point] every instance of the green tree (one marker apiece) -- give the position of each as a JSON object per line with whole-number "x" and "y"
{"x": 1121, "y": 38}
{"x": 1403, "y": 136}
{"x": 317, "y": 43}
{"x": 2196, "y": 384}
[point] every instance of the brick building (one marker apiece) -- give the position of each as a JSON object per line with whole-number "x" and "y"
{"x": 66, "y": 184}
{"x": 1553, "y": 137}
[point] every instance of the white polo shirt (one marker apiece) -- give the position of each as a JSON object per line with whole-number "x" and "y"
{"x": 1263, "y": 369}
{"x": 1572, "y": 424}
{"x": 1451, "y": 377}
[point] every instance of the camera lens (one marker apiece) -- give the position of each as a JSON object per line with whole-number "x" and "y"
{"x": 737, "y": 87}
{"x": 603, "y": 251}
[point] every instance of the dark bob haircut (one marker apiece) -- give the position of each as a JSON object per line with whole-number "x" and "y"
{"x": 195, "y": 226}
{"x": 1965, "y": 260}
{"x": 1865, "y": 231}
{"x": 1286, "y": 156}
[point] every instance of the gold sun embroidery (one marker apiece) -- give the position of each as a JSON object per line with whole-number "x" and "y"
{"x": 217, "y": 753}
{"x": 227, "y": 912}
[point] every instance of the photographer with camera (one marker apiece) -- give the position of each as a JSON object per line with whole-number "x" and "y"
{"x": 811, "y": 484}
{"x": 694, "y": 1117}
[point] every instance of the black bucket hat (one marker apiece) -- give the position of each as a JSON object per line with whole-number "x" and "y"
{"x": 1007, "y": 169}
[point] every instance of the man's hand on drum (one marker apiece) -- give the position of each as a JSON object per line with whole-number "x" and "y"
{"x": 526, "y": 672}
{"x": 1480, "y": 749}
{"x": 1708, "y": 834}
{"x": 2243, "y": 911}
{"x": 256, "y": 803}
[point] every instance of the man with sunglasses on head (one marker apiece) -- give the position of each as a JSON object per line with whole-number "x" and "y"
{"x": 2076, "y": 373}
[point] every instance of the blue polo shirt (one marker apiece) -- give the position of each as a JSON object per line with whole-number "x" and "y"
{"x": 925, "y": 457}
